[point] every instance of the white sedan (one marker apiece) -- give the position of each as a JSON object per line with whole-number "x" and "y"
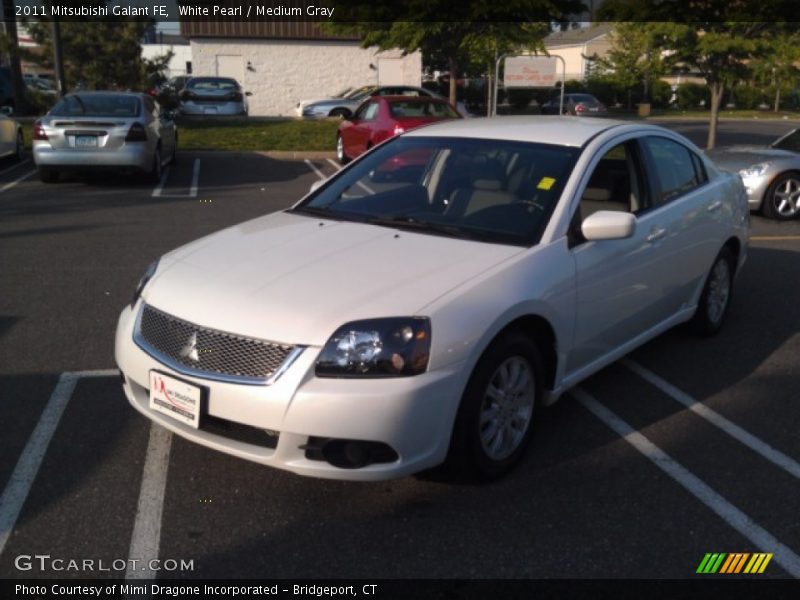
{"x": 421, "y": 305}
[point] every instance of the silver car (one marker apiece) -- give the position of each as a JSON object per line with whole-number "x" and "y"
{"x": 91, "y": 131}
{"x": 771, "y": 174}
{"x": 346, "y": 105}
{"x": 213, "y": 96}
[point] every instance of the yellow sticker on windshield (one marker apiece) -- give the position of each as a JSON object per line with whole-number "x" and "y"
{"x": 546, "y": 183}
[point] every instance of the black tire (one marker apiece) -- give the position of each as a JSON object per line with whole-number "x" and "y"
{"x": 339, "y": 112}
{"x": 716, "y": 297}
{"x": 778, "y": 203}
{"x": 340, "y": 155}
{"x": 471, "y": 446}
{"x": 19, "y": 151}
{"x": 47, "y": 175}
{"x": 154, "y": 174}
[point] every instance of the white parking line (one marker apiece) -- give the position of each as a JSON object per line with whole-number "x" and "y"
{"x": 146, "y": 537}
{"x": 17, "y": 488}
{"x": 19, "y": 485}
{"x": 319, "y": 173}
{"x": 158, "y": 192}
{"x": 15, "y": 166}
{"x": 11, "y": 184}
{"x": 764, "y": 540}
{"x": 336, "y": 165}
{"x": 757, "y": 445}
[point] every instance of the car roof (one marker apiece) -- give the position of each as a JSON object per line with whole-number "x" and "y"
{"x": 402, "y": 98}
{"x": 562, "y": 131}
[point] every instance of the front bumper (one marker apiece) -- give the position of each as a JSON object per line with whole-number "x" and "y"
{"x": 756, "y": 188}
{"x": 130, "y": 156}
{"x": 411, "y": 415}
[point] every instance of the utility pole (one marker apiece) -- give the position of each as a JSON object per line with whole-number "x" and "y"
{"x": 58, "y": 61}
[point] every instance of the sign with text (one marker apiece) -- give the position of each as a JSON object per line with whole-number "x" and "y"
{"x": 530, "y": 71}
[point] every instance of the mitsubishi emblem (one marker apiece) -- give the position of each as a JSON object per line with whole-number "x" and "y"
{"x": 190, "y": 349}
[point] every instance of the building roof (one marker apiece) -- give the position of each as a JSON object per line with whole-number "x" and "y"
{"x": 265, "y": 30}
{"x": 577, "y": 37}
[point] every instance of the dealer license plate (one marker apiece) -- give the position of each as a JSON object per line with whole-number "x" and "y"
{"x": 86, "y": 141}
{"x": 175, "y": 398}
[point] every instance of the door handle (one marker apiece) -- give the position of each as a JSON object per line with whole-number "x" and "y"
{"x": 656, "y": 234}
{"x": 714, "y": 206}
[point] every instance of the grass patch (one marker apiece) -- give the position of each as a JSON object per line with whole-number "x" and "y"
{"x": 257, "y": 134}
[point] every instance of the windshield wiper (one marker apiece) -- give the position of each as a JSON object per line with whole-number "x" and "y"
{"x": 410, "y": 223}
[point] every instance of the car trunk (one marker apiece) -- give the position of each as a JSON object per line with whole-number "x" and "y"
{"x": 87, "y": 134}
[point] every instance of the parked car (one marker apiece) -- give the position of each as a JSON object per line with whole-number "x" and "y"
{"x": 12, "y": 142}
{"x": 771, "y": 174}
{"x": 581, "y": 105}
{"x": 347, "y": 105}
{"x": 376, "y": 329}
{"x": 90, "y": 131}
{"x": 385, "y": 116}
{"x": 213, "y": 96}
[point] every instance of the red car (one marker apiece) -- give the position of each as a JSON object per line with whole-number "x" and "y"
{"x": 382, "y": 117}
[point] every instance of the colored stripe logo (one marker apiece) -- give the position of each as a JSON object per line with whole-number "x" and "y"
{"x": 733, "y": 563}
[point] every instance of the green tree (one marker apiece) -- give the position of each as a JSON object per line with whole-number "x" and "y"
{"x": 634, "y": 57}
{"x": 717, "y": 38}
{"x": 485, "y": 27}
{"x": 778, "y": 66}
{"x": 101, "y": 54}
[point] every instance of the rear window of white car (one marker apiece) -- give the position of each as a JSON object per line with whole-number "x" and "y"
{"x": 97, "y": 105}
{"x": 224, "y": 85}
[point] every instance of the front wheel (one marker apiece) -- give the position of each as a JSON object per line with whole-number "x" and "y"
{"x": 340, "y": 155}
{"x": 716, "y": 296}
{"x": 782, "y": 200}
{"x": 494, "y": 421}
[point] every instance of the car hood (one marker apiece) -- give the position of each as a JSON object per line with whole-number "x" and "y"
{"x": 735, "y": 158}
{"x": 295, "y": 279}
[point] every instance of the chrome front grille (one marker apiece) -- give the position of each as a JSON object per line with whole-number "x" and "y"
{"x": 207, "y": 352}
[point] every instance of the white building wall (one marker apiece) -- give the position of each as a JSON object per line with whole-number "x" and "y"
{"x": 281, "y": 73}
{"x": 181, "y": 54}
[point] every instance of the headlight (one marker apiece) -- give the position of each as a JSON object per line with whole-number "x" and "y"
{"x": 148, "y": 275}
{"x": 754, "y": 170}
{"x": 391, "y": 347}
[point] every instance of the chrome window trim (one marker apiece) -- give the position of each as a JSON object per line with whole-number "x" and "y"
{"x": 167, "y": 361}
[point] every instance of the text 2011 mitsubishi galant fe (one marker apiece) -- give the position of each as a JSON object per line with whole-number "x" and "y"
{"x": 418, "y": 307}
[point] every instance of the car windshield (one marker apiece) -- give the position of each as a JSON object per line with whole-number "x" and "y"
{"x": 486, "y": 190}
{"x": 790, "y": 142}
{"x": 402, "y": 109}
{"x": 361, "y": 92}
{"x": 205, "y": 85}
{"x": 97, "y": 105}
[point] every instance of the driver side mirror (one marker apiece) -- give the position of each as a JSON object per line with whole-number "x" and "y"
{"x": 608, "y": 225}
{"x": 248, "y": 93}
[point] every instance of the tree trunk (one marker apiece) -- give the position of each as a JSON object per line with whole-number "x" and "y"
{"x": 777, "y": 98}
{"x": 17, "y": 82}
{"x": 717, "y": 88}
{"x": 453, "y": 76}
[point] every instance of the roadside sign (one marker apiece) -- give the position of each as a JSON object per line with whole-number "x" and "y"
{"x": 530, "y": 71}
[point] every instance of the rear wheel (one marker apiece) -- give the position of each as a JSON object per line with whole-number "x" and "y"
{"x": 495, "y": 418}
{"x": 782, "y": 200}
{"x": 47, "y": 175}
{"x": 716, "y": 296}
{"x": 340, "y": 155}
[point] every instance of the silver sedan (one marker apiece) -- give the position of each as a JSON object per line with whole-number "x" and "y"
{"x": 91, "y": 131}
{"x": 771, "y": 174}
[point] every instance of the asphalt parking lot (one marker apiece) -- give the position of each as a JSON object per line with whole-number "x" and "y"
{"x": 686, "y": 448}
